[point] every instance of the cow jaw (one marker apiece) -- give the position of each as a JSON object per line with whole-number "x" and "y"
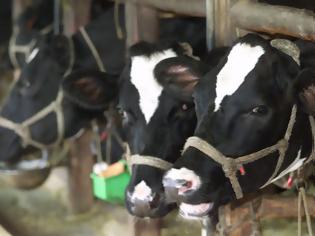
{"x": 189, "y": 211}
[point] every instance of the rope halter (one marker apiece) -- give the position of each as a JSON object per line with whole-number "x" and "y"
{"x": 23, "y": 129}
{"x": 231, "y": 165}
{"x": 145, "y": 160}
{"x": 26, "y": 49}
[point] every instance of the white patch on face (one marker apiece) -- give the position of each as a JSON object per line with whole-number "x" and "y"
{"x": 32, "y": 55}
{"x": 241, "y": 60}
{"x": 142, "y": 77}
{"x": 142, "y": 192}
{"x": 184, "y": 174}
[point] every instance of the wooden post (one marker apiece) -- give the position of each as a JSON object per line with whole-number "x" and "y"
{"x": 224, "y": 30}
{"x": 80, "y": 166}
{"x": 142, "y": 23}
{"x": 76, "y": 14}
{"x": 141, "y": 227}
{"x": 18, "y": 6}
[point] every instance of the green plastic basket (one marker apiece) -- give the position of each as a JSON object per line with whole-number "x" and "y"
{"x": 111, "y": 189}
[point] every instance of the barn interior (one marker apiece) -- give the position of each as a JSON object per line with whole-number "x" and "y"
{"x": 62, "y": 200}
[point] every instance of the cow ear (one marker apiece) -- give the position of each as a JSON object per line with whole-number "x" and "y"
{"x": 90, "y": 90}
{"x": 179, "y": 73}
{"x": 305, "y": 90}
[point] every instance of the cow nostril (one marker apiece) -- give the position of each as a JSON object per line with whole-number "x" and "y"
{"x": 155, "y": 201}
{"x": 177, "y": 183}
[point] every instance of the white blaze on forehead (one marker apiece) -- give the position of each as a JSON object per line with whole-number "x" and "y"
{"x": 142, "y": 192}
{"x": 241, "y": 60}
{"x": 143, "y": 79}
{"x": 32, "y": 55}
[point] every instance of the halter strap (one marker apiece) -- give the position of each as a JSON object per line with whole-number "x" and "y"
{"x": 145, "y": 160}
{"x": 23, "y": 129}
{"x": 93, "y": 49}
{"x": 26, "y": 48}
{"x": 231, "y": 165}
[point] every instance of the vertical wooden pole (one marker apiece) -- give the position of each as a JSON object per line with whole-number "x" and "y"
{"x": 210, "y": 23}
{"x": 224, "y": 30}
{"x": 18, "y": 6}
{"x": 144, "y": 228}
{"x": 142, "y": 23}
{"x": 80, "y": 167}
{"x": 76, "y": 14}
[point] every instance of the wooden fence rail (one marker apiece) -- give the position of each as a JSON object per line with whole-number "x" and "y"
{"x": 274, "y": 19}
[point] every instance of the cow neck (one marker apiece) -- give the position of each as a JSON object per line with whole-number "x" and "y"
{"x": 231, "y": 165}
{"x": 23, "y": 130}
{"x": 25, "y": 49}
{"x": 145, "y": 160}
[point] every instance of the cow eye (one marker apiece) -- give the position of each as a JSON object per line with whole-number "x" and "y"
{"x": 260, "y": 110}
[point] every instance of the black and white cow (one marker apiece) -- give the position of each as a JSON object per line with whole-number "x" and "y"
{"x": 39, "y": 84}
{"x": 245, "y": 105}
{"x": 40, "y": 79}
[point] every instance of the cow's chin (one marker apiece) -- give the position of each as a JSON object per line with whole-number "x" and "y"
{"x": 196, "y": 212}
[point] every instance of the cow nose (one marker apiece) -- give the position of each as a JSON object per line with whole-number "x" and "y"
{"x": 143, "y": 200}
{"x": 179, "y": 182}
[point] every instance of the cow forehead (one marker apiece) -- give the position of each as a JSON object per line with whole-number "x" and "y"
{"x": 143, "y": 79}
{"x": 241, "y": 60}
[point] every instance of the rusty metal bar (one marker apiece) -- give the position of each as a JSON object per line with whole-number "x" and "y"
{"x": 262, "y": 17}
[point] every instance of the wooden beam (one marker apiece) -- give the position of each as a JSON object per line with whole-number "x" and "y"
{"x": 185, "y": 7}
{"x": 262, "y": 17}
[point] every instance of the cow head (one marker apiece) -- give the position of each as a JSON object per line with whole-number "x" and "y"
{"x": 36, "y": 89}
{"x": 158, "y": 115}
{"x": 244, "y": 105}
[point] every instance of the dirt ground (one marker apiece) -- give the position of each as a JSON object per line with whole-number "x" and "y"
{"x": 45, "y": 212}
